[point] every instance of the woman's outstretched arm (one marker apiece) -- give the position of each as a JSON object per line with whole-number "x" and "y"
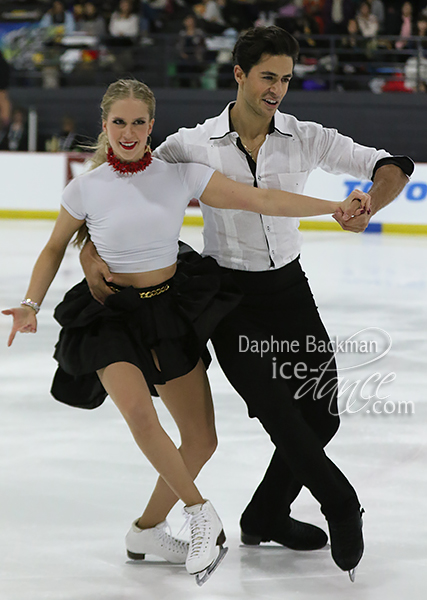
{"x": 44, "y": 271}
{"x": 222, "y": 192}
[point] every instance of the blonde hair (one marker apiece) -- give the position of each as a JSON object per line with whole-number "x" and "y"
{"x": 119, "y": 90}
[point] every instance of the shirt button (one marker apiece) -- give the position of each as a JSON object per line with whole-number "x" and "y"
{"x": 268, "y": 228}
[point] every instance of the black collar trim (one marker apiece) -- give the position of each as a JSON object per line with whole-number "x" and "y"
{"x": 271, "y": 129}
{"x": 230, "y": 125}
{"x": 282, "y": 132}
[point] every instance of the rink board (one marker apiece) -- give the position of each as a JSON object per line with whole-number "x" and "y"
{"x": 32, "y": 183}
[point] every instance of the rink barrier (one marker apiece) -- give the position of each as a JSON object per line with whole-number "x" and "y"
{"x": 37, "y": 195}
{"x": 197, "y": 221}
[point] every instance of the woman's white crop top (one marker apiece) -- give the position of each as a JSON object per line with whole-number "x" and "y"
{"x": 134, "y": 221}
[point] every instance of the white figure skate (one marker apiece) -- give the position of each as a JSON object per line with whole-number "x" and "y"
{"x": 206, "y": 541}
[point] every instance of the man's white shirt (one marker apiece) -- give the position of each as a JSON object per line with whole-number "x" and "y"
{"x": 292, "y": 150}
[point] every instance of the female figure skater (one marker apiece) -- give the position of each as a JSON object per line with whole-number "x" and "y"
{"x": 150, "y": 335}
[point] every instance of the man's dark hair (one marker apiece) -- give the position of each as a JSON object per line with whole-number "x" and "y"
{"x": 257, "y": 41}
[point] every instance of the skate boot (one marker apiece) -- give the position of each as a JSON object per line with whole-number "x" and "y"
{"x": 286, "y": 531}
{"x": 206, "y": 541}
{"x": 156, "y": 540}
{"x": 347, "y": 542}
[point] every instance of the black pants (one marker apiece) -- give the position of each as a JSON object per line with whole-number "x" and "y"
{"x": 297, "y": 407}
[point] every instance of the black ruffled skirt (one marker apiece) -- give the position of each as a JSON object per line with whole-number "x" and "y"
{"x": 175, "y": 324}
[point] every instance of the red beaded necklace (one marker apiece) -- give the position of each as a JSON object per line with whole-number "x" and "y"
{"x": 128, "y": 168}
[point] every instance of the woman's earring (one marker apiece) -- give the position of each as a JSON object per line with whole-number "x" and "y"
{"x": 148, "y": 144}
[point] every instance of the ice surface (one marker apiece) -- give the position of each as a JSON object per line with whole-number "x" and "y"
{"x": 71, "y": 481}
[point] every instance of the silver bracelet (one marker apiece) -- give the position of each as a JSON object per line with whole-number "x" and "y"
{"x": 31, "y": 304}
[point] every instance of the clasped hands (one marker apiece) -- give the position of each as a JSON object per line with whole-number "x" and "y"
{"x": 351, "y": 218}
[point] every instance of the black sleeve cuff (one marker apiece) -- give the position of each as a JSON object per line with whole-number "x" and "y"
{"x": 403, "y": 162}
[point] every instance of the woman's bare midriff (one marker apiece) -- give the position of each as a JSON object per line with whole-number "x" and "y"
{"x": 143, "y": 280}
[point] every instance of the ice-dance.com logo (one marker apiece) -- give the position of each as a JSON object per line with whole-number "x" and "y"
{"x": 361, "y": 385}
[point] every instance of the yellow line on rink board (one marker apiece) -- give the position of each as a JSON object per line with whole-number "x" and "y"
{"x": 197, "y": 220}
{"x": 28, "y": 214}
{"x": 401, "y": 228}
{"x": 193, "y": 220}
{"x": 322, "y": 225}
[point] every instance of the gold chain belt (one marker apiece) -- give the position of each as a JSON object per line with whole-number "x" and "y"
{"x": 143, "y": 295}
{"x": 155, "y": 292}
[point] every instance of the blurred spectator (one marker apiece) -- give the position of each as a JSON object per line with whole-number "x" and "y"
{"x": 422, "y": 28}
{"x": 91, "y": 21}
{"x": 366, "y": 21}
{"x": 420, "y": 31}
{"x": 124, "y": 31}
{"x": 213, "y": 12}
{"x": 406, "y": 25}
{"x": 377, "y": 9}
{"x": 191, "y": 48}
{"x": 16, "y": 136}
{"x": 57, "y": 16}
{"x": 152, "y": 13}
{"x": 416, "y": 66}
{"x": 68, "y": 139}
{"x": 5, "y": 106}
{"x": 77, "y": 14}
{"x": 357, "y": 48}
{"x": 315, "y": 9}
{"x": 124, "y": 23}
{"x": 392, "y": 17}
{"x": 351, "y": 42}
{"x": 353, "y": 57}
{"x": 336, "y": 15}
{"x": 210, "y": 12}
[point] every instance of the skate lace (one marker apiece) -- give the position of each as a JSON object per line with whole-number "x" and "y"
{"x": 167, "y": 540}
{"x": 198, "y": 526}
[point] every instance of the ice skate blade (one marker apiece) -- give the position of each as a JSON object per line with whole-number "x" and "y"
{"x": 352, "y": 575}
{"x": 202, "y": 577}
